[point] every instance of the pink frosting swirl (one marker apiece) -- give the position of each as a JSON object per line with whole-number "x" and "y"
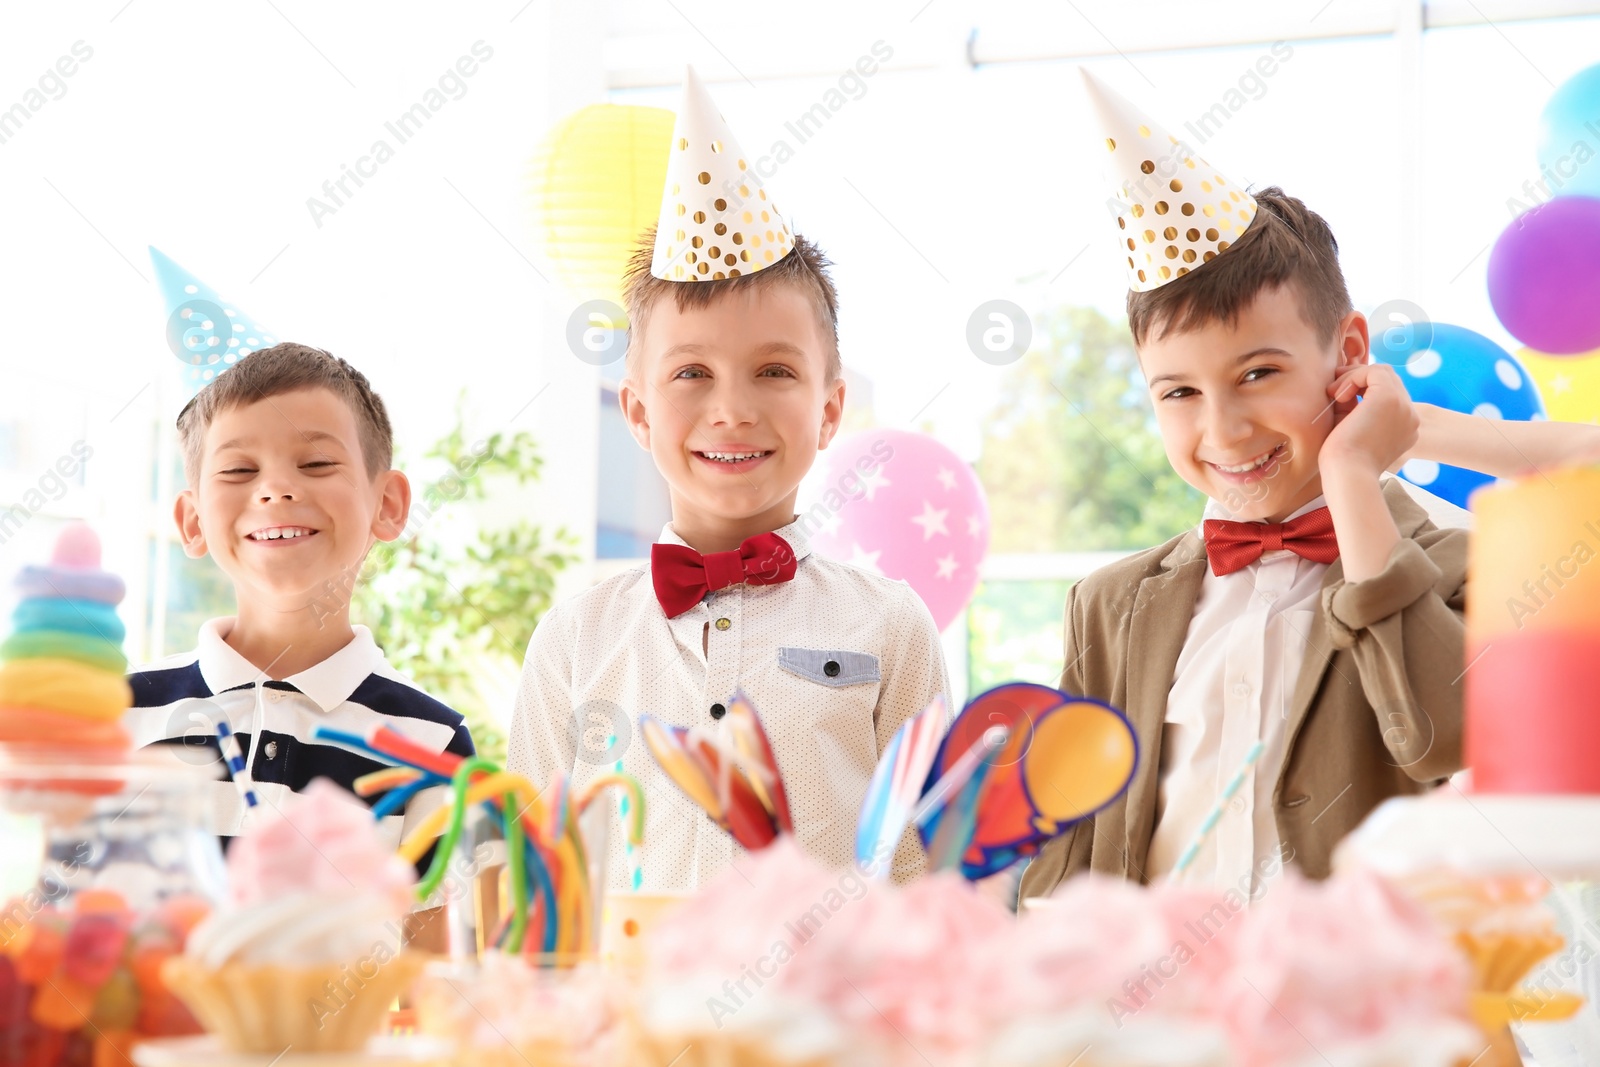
{"x": 326, "y": 845}
{"x": 933, "y": 971}
{"x": 1324, "y": 964}
{"x": 917, "y": 965}
{"x": 1102, "y": 942}
{"x": 908, "y": 965}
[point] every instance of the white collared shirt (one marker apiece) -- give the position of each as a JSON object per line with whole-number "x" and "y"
{"x": 179, "y": 699}
{"x": 834, "y": 660}
{"x": 1232, "y": 687}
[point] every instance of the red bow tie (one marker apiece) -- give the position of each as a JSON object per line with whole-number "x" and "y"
{"x": 683, "y": 577}
{"x": 1233, "y": 546}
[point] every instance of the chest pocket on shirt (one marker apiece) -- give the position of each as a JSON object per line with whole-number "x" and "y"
{"x": 830, "y": 666}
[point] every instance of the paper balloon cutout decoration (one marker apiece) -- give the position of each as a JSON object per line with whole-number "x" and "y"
{"x": 905, "y": 506}
{"x": 205, "y": 332}
{"x": 1064, "y": 759}
{"x": 736, "y": 783}
{"x": 1019, "y": 765}
{"x": 596, "y": 187}
{"x": 897, "y": 785}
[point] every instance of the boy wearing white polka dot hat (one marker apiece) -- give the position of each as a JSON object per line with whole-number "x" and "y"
{"x": 733, "y": 384}
{"x": 1309, "y": 633}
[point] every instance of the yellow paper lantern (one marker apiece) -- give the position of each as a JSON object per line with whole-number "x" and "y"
{"x": 596, "y": 186}
{"x": 1570, "y": 385}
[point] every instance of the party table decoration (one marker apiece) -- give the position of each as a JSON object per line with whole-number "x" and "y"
{"x": 61, "y": 670}
{"x": 554, "y": 912}
{"x": 1018, "y": 766}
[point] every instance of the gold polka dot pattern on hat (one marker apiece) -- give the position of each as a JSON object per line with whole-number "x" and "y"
{"x": 713, "y": 197}
{"x": 1158, "y": 176}
{"x": 1149, "y": 173}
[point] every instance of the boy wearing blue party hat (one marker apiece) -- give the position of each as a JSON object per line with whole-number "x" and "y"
{"x": 1308, "y": 635}
{"x": 733, "y": 384}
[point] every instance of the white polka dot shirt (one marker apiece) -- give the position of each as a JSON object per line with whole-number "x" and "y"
{"x": 834, "y": 661}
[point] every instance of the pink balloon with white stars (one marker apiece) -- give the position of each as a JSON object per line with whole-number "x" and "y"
{"x": 902, "y": 505}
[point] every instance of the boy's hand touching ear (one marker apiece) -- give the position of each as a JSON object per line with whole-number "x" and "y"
{"x": 1374, "y": 435}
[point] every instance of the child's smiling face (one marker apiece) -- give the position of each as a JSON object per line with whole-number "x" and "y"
{"x": 283, "y": 502}
{"x": 1243, "y": 409}
{"x": 733, "y": 402}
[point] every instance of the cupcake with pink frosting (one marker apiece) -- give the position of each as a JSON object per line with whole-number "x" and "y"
{"x": 1112, "y": 974}
{"x": 1348, "y": 971}
{"x": 1345, "y": 971}
{"x": 781, "y": 962}
{"x": 307, "y": 949}
{"x": 784, "y": 962}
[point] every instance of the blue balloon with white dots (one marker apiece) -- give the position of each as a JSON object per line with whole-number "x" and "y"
{"x": 1454, "y": 367}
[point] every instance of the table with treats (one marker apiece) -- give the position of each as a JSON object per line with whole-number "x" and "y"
{"x": 1458, "y": 927}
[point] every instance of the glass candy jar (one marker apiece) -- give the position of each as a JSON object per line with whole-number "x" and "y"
{"x": 120, "y": 872}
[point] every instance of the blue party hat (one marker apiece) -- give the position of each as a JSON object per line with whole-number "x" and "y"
{"x": 206, "y": 333}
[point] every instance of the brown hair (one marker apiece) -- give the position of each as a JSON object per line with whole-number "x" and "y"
{"x": 1286, "y": 243}
{"x": 285, "y": 368}
{"x": 805, "y": 266}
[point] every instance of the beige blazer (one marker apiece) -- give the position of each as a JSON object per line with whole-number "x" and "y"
{"x": 1376, "y": 710}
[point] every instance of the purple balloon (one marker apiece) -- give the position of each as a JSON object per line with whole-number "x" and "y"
{"x": 1544, "y": 276}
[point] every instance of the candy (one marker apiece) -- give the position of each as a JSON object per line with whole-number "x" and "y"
{"x": 13, "y": 995}
{"x": 163, "y": 1015}
{"x": 34, "y": 726}
{"x": 74, "y": 616}
{"x": 64, "y": 685}
{"x": 94, "y": 948}
{"x": 116, "y": 1006}
{"x": 78, "y": 1050}
{"x": 77, "y": 546}
{"x": 114, "y": 1049}
{"x": 81, "y": 987}
{"x": 15, "y": 938}
{"x": 30, "y": 1045}
{"x": 58, "y": 643}
{"x": 39, "y": 958}
{"x": 64, "y": 583}
{"x": 100, "y": 902}
{"x": 62, "y": 1004}
{"x": 182, "y": 914}
{"x": 151, "y": 934}
{"x": 146, "y": 966}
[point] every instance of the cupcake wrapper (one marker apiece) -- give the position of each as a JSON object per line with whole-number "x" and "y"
{"x": 1495, "y": 1011}
{"x": 1501, "y": 960}
{"x": 708, "y": 1049}
{"x": 309, "y": 1009}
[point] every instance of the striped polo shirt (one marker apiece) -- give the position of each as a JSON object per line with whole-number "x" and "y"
{"x": 179, "y": 700}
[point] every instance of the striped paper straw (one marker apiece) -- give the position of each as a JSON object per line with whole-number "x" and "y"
{"x": 624, "y": 808}
{"x": 231, "y": 754}
{"x": 1215, "y": 815}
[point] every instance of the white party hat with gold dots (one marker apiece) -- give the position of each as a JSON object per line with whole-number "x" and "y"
{"x": 1174, "y": 211}
{"x": 717, "y": 221}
